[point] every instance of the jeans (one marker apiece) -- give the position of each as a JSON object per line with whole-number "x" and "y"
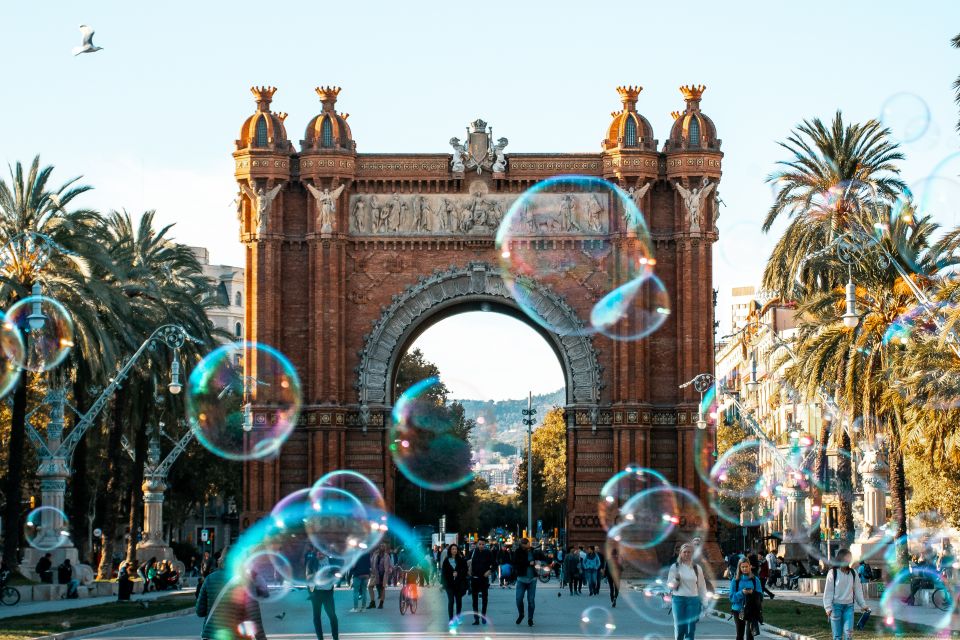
{"x": 454, "y": 597}
{"x": 324, "y": 599}
{"x": 590, "y": 575}
{"x": 481, "y": 592}
{"x": 686, "y": 612}
{"x": 841, "y": 621}
{"x": 530, "y": 588}
{"x": 360, "y": 591}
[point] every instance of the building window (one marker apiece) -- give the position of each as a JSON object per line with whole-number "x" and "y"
{"x": 238, "y": 330}
{"x": 326, "y": 133}
{"x": 261, "y": 132}
{"x": 630, "y": 133}
{"x": 694, "y": 132}
{"x": 237, "y": 300}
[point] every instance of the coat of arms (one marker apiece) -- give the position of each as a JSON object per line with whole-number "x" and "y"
{"x": 478, "y": 152}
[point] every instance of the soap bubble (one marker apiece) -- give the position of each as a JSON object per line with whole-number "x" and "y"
{"x": 12, "y": 354}
{"x": 46, "y": 528}
{"x": 744, "y": 492}
{"x": 337, "y": 523}
{"x": 906, "y": 115}
{"x": 462, "y": 624}
{"x": 621, "y": 487}
{"x": 366, "y": 492}
{"x": 427, "y": 440}
{"x": 633, "y": 310}
{"x": 47, "y": 330}
{"x": 597, "y": 622}
{"x": 243, "y": 400}
{"x": 266, "y": 575}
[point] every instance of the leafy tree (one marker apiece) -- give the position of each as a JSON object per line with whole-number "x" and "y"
{"x": 549, "y": 469}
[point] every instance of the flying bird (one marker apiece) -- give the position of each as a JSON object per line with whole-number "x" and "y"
{"x": 281, "y": 616}
{"x": 87, "y": 46}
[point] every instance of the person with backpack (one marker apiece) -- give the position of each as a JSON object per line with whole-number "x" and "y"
{"x": 591, "y": 571}
{"x": 571, "y": 570}
{"x": 842, "y": 590}
{"x": 689, "y": 593}
{"x": 746, "y": 601}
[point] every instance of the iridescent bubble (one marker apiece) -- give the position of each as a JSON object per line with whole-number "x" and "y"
{"x": 429, "y": 438}
{"x": 46, "y": 528}
{"x": 337, "y": 523}
{"x": 366, "y": 492}
{"x": 744, "y": 491}
{"x": 266, "y": 575}
{"x": 286, "y": 534}
{"x": 47, "y": 330}
{"x": 633, "y": 310}
{"x": 895, "y": 602}
{"x": 243, "y": 400}
{"x": 906, "y": 115}
{"x": 597, "y": 622}
{"x": 462, "y": 624}
{"x": 652, "y": 515}
{"x": 621, "y": 487}
{"x": 938, "y": 196}
{"x": 560, "y": 229}
{"x": 12, "y": 353}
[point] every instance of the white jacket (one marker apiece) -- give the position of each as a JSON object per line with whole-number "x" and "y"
{"x": 686, "y": 580}
{"x": 848, "y": 589}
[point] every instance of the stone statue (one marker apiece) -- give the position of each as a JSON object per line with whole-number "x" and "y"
{"x": 693, "y": 200}
{"x": 238, "y": 203}
{"x": 459, "y": 151}
{"x": 594, "y": 211}
{"x": 637, "y": 194}
{"x": 326, "y": 206}
{"x": 443, "y": 216}
{"x": 376, "y": 217}
{"x": 422, "y": 214}
{"x": 567, "y": 214}
{"x": 359, "y": 209}
{"x": 500, "y": 161}
{"x": 395, "y": 211}
{"x": 262, "y": 201}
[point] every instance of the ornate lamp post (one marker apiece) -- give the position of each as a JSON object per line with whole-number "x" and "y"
{"x": 529, "y": 421}
{"x": 56, "y": 452}
{"x": 701, "y": 383}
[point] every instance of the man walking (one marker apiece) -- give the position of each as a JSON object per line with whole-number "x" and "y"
{"x": 481, "y": 566}
{"x": 571, "y": 569}
{"x": 361, "y": 574}
{"x": 380, "y": 567}
{"x": 525, "y": 561}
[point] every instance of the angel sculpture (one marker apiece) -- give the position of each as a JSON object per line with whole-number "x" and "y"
{"x": 326, "y": 206}
{"x": 693, "y": 199}
{"x": 262, "y": 202}
{"x": 637, "y": 196}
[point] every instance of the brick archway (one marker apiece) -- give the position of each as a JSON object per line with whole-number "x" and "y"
{"x": 348, "y": 253}
{"x": 477, "y": 282}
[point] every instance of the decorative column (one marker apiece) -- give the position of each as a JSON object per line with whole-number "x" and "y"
{"x": 873, "y": 471}
{"x": 794, "y": 519}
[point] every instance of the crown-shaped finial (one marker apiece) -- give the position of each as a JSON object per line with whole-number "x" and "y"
{"x": 328, "y": 96}
{"x": 629, "y": 95}
{"x": 692, "y": 92}
{"x": 675, "y": 114}
{"x": 263, "y": 96}
{"x": 478, "y": 125}
{"x": 282, "y": 115}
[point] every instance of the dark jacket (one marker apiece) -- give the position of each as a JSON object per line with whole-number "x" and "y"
{"x": 481, "y": 562}
{"x": 362, "y": 567}
{"x": 572, "y": 565}
{"x": 521, "y": 562}
{"x": 225, "y": 612}
{"x": 458, "y": 584}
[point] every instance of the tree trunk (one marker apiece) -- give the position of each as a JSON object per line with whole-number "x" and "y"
{"x": 898, "y": 495}
{"x": 11, "y": 512}
{"x": 79, "y": 491}
{"x": 111, "y": 499}
{"x": 135, "y": 488}
{"x": 845, "y": 523}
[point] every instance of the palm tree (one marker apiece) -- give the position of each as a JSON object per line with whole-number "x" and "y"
{"x": 833, "y": 173}
{"x": 859, "y": 363}
{"x": 161, "y": 282}
{"x": 31, "y": 214}
{"x": 956, "y": 83}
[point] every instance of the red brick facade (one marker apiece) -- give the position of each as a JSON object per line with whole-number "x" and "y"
{"x": 317, "y": 292}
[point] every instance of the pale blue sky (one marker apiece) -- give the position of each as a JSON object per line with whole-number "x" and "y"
{"x": 150, "y": 120}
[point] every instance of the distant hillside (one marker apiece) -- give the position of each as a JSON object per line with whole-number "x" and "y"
{"x": 505, "y": 414}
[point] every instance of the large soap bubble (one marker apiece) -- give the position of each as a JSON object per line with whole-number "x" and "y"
{"x": 47, "y": 328}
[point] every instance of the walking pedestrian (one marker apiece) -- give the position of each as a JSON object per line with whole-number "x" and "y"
{"x": 525, "y": 561}
{"x": 380, "y": 567}
{"x": 689, "y": 590}
{"x": 571, "y": 569}
{"x": 454, "y": 576}
{"x": 229, "y": 607}
{"x": 506, "y": 569}
{"x": 614, "y": 567}
{"x": 481, "y": 567}
{"x": 842, "y": 590}
{"x": 361, "y": 575}
{"x": 746, "y": 600}
{"x": 320, "y": 583}
{"x": 591, "y": 570}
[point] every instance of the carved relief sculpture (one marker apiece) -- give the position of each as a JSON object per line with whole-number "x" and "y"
{"x": 359, "y": 221}
{"x": 692, "y": 201}
{"x": 262, "y": 201}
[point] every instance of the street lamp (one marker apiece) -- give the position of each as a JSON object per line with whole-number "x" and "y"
{"x": 36, "y": 319}
{"x": 529, "y": 421}
{"x": 701, "y": 383}
{"x": 752, "y": 382}
{"x": 175, "y": 387}
{"x": 850, "y": 318}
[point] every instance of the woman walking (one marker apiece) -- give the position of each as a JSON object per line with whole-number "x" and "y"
{"x": 320, "y": 583}
{"x": 689, "y": 590}
{"x": 454, "y": 575}
{"x": 614, "y": 567}
{"x": 746, "y": 599}
{"x": 842, "y": 590}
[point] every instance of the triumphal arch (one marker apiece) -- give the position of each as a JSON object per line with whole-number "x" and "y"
{"x": 350, "y": 255}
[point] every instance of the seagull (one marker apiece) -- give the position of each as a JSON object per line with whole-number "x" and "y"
{"x": 281, "y": 616}
{"x": 87, "y": 46}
